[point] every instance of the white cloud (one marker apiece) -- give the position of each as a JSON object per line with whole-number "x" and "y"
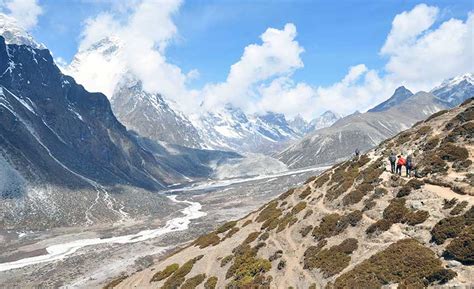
{"x": 26, "y": 12}
{"x": 427, "y": 54}
{"x": 278, "y": 55}
{"x": 420, "y": 51}
{"x": 419, "y": 55}
{"x": 142, "y": 33}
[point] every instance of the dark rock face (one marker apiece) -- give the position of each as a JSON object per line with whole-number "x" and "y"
{"x": 401, "y": 94}
{"x": 52, "y": 130}
{"x": 150, "y": 115}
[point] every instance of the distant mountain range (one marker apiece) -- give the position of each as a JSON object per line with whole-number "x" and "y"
{"x": 365, "y": 130}
{"x": 228, "y": 128}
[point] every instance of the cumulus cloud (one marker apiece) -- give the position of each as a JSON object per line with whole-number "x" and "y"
{"x": 420, "y": 51}
{"x": 279, "y": 54}
{"x": 26, "y": 12}
{"x": 140, "y": 35}
{"x": 420, "y": 54}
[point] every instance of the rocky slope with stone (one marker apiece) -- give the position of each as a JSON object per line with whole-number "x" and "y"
{"x": 355, "y": 225}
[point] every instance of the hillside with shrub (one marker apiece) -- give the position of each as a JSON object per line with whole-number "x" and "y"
{"x": 355, "y": 225}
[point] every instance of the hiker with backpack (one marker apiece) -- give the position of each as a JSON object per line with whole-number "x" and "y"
{"x": 409, "y": 164}
{"x": 400, "y": 163}
{"x": 392, "y": 158}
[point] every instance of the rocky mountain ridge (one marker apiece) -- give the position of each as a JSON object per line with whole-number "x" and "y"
{"x": 355, "y": 225}
{"x": 365, "y": 130}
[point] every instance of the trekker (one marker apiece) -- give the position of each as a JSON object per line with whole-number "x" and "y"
{"x": 357, "y": 153}
{"x": 392, "y": 158}
{"x": 409, "y": 164}
{"x": 401, "y": 162}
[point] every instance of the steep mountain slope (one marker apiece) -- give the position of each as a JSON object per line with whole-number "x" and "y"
{"x": 359, "y": 130}
{"x": 65, "y": 149}
{"x": 151, "y": 116}
{"x": 148, "y": 114}
{"x": 400, "y": 95}
{"x": 354, "y": 226}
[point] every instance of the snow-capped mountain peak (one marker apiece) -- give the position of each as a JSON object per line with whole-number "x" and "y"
{"x": 468, "y": 77}
{"x": 13, "y": 33}
{"x": 326, "y": 119}
{"x": 454, "y": 91}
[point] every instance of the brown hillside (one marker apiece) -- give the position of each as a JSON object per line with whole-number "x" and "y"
{"x": 355, "y": 226}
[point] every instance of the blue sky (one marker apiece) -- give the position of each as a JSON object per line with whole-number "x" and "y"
{"x": 292, "y": 57}
{"x": 212, "y": 34}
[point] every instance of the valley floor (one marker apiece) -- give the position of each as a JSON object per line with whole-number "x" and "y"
{"x": 89, "y": 257}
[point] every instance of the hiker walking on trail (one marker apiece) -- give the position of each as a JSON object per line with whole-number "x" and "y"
{"x": 400, "y": 163}
{"x": 409, "y": 164}
{"x": 357, "y": 153}
{"x": 393, "y": 159}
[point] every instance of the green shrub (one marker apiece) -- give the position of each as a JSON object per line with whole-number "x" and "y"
{"x": 226, "y": 227}
{"x": 298, "y": 208}
{"x": 459, "y": 208}
{"x": 210, "y": 239}
{"x": 433, "y": 164}
{"x": 452, "y": 153}
{"x": 431, "y": 143}
{"x": 396, "y": 212}
{"x": 177, "y": 278}
{"x": 276, "y": 255}
{"x": 251, "y": 237}
{"x": 307, "y": 214}
{"x": 286, "y": 194}
{"x": 424, "y": 130}
{"x": 451, "y": 227}
{"x": 193, "y": 282}
{"x": 434, "y": 115}
{"x": 170, "y": 269}
{"x": 417, "y": 217}
{"x": 402, "y": 138}
{"x": 333, "y": 224}
{"x": 405, "y": 262}
{"x": 305, "y": 193}
{"x": 115, "y": 282}
{"x": 333, "y": 260}
{"x": 322, "y": 179}
{"x": 211, "y": 283}
{"x": 264, "y": 236}
{"x": 461, "y": 248}
{"x": 381, "y": 225}
{"x": 226, "y": 260}
{"x": 246, "y": 223}
{"x": 406, "y": 189}
{"x": 246, "y": 267}
{"x": 231, "y": 233}
{"x": 305, "y": 230}
{"x": 448, "y": 204}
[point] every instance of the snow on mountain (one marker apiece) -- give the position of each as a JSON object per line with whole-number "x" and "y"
{"x": 13, "y": 33}
{"x": 230, "y": 128}
{"x": 454, "y": 91}
{"x": 326, "y": 119}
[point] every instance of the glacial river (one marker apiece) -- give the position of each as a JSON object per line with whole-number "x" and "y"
{"x": 60, "y": 251}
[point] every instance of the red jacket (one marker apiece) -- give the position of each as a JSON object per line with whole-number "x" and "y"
{"x": 401, "y": 161}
